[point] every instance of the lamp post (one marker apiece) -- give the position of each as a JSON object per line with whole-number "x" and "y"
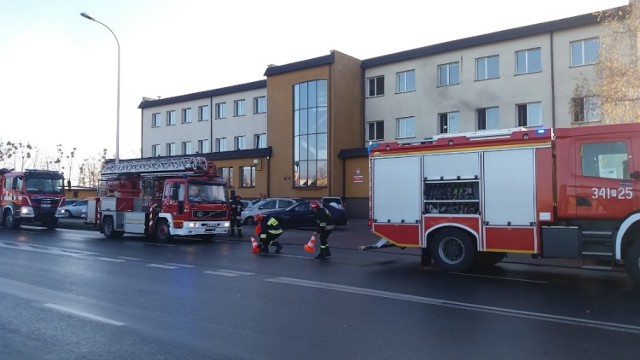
{"x": 86, "y": 16}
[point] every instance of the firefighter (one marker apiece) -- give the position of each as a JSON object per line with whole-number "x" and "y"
{"x": 236, "y": 216}
{"x": 325, "y": 226}
{"x": 268, "y": 230}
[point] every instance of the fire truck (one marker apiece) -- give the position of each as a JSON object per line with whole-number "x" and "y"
{"x": 470, "y": 199}
{"x": 30, "y": 196}
{"x": 160, "y": 198}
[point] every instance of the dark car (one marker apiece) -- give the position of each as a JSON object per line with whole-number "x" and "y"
{"x": 301, "y": 215}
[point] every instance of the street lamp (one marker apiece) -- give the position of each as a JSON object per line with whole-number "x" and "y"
{"x": 86, "y": 16}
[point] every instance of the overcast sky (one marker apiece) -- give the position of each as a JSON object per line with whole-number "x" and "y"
{"x": 58, "y": 70}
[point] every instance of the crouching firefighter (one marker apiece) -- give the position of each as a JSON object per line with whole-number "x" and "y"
{"x": 268, "y": 230}
{"x": 325, "y": 225}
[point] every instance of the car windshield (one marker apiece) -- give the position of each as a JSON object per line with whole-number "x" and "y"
{"x": 206, "y": 192}
{"x": 38, "y": 185}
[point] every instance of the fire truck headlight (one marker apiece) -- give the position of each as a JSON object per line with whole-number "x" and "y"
{"x": 26, "y": 211}
{"x": 192, "y": 225}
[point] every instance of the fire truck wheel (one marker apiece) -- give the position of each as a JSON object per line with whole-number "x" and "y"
{"x": 632, "y": 262}
{"x": 10, "y": 221}
{"x": 163, "y": 233}
{"x": 51, "y": 224}
{"x": 452, "y": 250}
{"x": 109, "y": 230}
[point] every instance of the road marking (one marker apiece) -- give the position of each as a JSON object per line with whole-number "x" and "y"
{"x": 157, "y": 244}
{"x": 466, "y": 306}
{"x": 110, "y": 259}
{"x": 44, "y": 249}
{"x": 162, "y": 266}
{"x": 181, "y": 265}
{"x": 227, "y": 272}
{"x": 129, "y": 258}
{"x": 84, "y": 314}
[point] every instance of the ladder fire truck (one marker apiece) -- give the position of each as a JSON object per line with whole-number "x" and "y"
{"x": 160, "y": 198}
{"x": 469, "y": 199}
{"x": 30, "y": 196}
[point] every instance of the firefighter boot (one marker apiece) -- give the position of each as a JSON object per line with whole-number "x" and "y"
{"x": 264, "y": 248}
{"x": 278, "y": 246}
{"x": 232, "y": 233}
{"x": 239, "y": 233}
{"x": 323, "y": 253}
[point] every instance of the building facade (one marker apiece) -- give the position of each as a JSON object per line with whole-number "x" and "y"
{"x": 304, "y": 131}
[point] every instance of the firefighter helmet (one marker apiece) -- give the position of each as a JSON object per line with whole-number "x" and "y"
{"x": 315, "y": 204}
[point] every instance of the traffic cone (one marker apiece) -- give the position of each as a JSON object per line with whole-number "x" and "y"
{"x": 256, "y": 246}
{"x": 311, "y": 245}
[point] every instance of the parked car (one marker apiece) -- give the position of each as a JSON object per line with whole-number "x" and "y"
{"x": 73, "y": 210}
{"x": 334, "y": 201}
{"x": 301, "y": 215}
{"x": 264, "y": 207}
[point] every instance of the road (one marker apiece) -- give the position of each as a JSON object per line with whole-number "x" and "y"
{"x": 73, "y": 294}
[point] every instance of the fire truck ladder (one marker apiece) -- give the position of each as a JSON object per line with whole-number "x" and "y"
{"x": 156, "y": 166}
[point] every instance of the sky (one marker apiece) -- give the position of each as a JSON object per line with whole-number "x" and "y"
{"x": 58, "y": 70}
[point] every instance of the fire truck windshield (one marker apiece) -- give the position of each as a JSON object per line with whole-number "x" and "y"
{"x": 205, "y": 192}
{"x": 44, "y": 185}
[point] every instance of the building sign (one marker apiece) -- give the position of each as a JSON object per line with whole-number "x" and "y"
{"x": 358, "y": 178}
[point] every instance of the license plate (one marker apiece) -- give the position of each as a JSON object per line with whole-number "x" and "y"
{"x": 45, "y": 205}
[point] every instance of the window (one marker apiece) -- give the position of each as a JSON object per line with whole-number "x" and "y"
{"x": 528, "y": 61}
{"x": 260, "y": 105}
{"x": 247, "y": 176}
{"x": 584, "y": 52}
{"x": 203, "y": 146}
{"x": 488, "y": 118}
{"x": 227, "y": 175}
{"x": 449, "y": 123}
{"x": 586, "y": 109}
{"x": 203, "y": 113}
{"x": 605, "y": 160}
{"x": 155, "y": 120}
{"x": 488, "y": 68}
{"x": 186, "y": 116}
{"x": 449, "y": 74}
{"x": 221, "y": 110}
{"x": 376, "y": 86}
{"x": 171, "y": 149}
{"x": 186, "y": 147}
{"x": 406, "y": 81}
{"x": 238, "y": 108}
{"x": 529, "y": 114}
{"x": 171, "y": 117}
{"x": 375, "y": 130}
{"x": 310, "y": 134}
{"x": 260, "y": 141}
{"x": 155, "y": 150}
{"x": 239, "y": 142}
{"x": 221, "y": 144}
{"x": 406, "y": 127}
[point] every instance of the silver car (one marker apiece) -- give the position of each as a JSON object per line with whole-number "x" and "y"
{"x": 72, "y": 210}
{"x": 264, "y": 207}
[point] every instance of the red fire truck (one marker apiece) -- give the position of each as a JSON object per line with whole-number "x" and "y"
{"x": 30, "y": 196}
{"x": 469, "y": 199}
{"x": 161, "y": 198}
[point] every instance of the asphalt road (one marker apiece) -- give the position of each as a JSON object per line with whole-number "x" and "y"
{"x": 73, "y": 294}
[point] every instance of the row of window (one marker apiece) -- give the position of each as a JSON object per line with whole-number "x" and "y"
{"x": 259, "y": 107}
{"x": 584, "y": 110}
{"x": 583, "y": 52}
{"x": 239, "y": 143}
{"x": 247, "y": 176}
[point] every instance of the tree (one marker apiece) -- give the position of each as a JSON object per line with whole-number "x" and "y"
{"x": 618, "y": 68}
{"x": 89, "y": 171}
{"x": 16, "y": 155}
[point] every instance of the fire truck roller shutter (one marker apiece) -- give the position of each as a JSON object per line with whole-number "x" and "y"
{"x": 451, "y": 166}
{"x": 397, "y": 189}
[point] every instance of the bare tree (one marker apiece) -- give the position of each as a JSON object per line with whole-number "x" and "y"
{"x": 16, "y": 155}
{"x": 618, "y": 68}
{"x": 89, "y": 171}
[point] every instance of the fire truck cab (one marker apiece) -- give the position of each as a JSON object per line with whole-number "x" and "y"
{"x": 30, "y": 196}
{"x": 470, "y": 199}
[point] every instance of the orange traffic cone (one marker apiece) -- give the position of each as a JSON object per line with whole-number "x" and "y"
{"x": 311, "y": 245}
{"x": 256, "y": 246}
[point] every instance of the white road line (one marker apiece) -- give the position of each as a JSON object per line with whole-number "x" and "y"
{"x": 110, "y": 259}
{"x": 503, "y": 278}
{"x": 44, "y": 249}
{"x": 84, "y": 314}
{"x": 162, "y": 266}
{"x": 129, "y": 258}
{"x": 460, "y": 305}
{"x": 227, "y": 272}
{"x": 181, "y": 265}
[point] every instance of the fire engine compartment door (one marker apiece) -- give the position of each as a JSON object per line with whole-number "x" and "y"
{"x": 509, "y": 187}
{"x": 396, "y": 189}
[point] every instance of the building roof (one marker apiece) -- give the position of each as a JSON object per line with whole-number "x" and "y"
{"x": 300, "y": 65}
{"x": 504, "y": 35}
{"x": 204, "y": 94}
